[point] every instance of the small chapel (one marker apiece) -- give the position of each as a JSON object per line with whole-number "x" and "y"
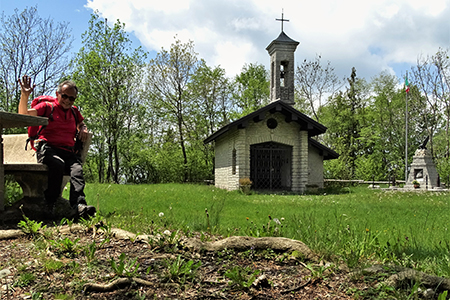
{"x": 273, "y": 146}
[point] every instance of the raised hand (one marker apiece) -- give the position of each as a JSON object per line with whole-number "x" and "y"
{"x": 25, "y": 84}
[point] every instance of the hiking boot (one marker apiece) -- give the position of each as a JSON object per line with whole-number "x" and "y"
{"x": 85, "y": 211}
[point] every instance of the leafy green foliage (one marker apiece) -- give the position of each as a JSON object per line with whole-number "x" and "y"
{"x": 50, "y": 265}
{"x": 29, "y": 226}
{"x": 169, "y": 75}
{"x": 320, "y": 271}
{"x": 65, "y": 246}
{"x": 345, "y": 118}
{"x": 89, "y": 251}
{"x": 25, "y": 279}
{"x": 243, "y": 277}
{"x": 180, "y": 270}
{"x": 37, "y": 296}
{"x": 443, "y": 295}
{"x": 13, "y": 191}
{"x": 108, "y": 71}
{"x": 124, "y": 267}
{"x": 363, "y": 127}
{"x": 252, "y": 89}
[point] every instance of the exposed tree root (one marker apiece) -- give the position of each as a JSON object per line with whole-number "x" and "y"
{"x": 400, "y": 276}
{"x": 404, "y": 276}
{"x": 245, "y": 243}
{"x": 295, "y": 289}
{"x": 119, "y": 283}
{"x": 11, "y": 234}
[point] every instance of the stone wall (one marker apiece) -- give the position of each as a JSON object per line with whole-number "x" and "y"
{"x": 284, "y": 54}
{"x": 256, "y": 133}
{"x": 315, "y": 161}
{"x": 224, "y": 177}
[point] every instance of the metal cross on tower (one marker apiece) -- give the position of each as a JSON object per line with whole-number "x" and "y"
{"x": 282, "y": 19}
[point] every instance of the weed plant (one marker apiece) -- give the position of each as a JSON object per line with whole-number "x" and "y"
{"x": 358, "y": 225}
{"x": 242, "y": 277}
{"x": 13, "y": 191}
{"x": 179, "y": 270}
{"x": 65, "y": 247}
{"x": 124, "y": 266}
{"x": 29, "y": 226}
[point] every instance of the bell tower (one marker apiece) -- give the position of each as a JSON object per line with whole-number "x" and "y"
{"x": 282, "y": 67}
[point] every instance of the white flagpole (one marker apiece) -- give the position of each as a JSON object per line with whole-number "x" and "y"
{"x": 406, "y": 133}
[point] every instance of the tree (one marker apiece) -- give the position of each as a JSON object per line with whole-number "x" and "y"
{"x": 313, "y": 82}
{"x": 211, "y": 91}
{"x": 251, "y": 89}
{"x": 432, "y": 76}
{"x": 345, "y": 117}
{"x": 383, "y": 136}
{"x": 33, "y": 46}
{"x": 169, "y": 74}
{"x": 108, "y": 73}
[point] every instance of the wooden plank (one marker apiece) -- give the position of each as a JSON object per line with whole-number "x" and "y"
{"x": 13, "y": 120}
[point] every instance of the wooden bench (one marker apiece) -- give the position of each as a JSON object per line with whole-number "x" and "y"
{"x": 31, "y": 176}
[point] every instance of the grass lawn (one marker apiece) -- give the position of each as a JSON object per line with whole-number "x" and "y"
{"x": 357, "y": 226}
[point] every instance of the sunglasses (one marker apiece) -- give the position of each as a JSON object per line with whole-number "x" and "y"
{"x": 64, "y": 96}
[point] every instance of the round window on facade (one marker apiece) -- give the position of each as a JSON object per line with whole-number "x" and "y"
{"x": 272, "y": 123}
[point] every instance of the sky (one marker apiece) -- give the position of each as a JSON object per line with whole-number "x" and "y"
{"x": 372, "y": 36}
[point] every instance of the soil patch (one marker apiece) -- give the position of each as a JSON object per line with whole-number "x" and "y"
{"x": 96, "y": 262}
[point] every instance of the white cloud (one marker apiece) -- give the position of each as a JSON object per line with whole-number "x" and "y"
{"x": 233, "y": 55}
{"x": 432, "y": 8}
{"x": 369, "y": 35}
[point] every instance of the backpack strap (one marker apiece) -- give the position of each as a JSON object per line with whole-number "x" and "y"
{"x": 75, "y": 116}
{"x": 31, "y": 139}
{"x": 50, "y": 117}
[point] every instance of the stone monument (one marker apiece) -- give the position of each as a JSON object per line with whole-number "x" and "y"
{"x": 423, "y": 169}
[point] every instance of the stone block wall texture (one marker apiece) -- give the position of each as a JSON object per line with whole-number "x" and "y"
{"x": 423, "y": 161}
{"x": 277, "y": 92}
{"x": 303, "y": 172}
{"x": 315, "y": 167}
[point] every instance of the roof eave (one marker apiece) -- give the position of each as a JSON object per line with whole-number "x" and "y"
{"x": 292, "y": 115}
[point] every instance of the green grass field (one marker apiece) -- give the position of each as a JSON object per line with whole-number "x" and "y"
{"x": 359, "y": 226}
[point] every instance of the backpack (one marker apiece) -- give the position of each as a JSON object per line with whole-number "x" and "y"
{"x": 35, "y": 131}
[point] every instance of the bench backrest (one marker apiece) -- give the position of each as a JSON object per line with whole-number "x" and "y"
{"x": 15, "y": 153}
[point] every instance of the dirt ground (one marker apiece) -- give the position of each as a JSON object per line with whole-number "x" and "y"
{"x": 79, "y": 262}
